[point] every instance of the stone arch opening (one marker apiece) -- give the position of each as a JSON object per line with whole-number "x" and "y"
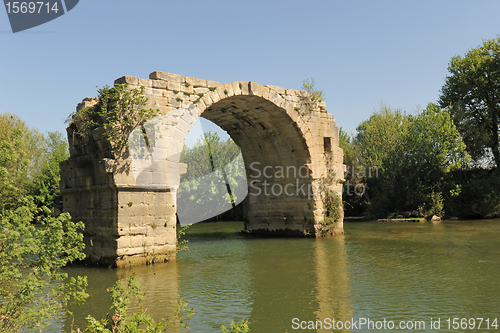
{"x": 129, "y": 203}
{"x": 276, "y": 160}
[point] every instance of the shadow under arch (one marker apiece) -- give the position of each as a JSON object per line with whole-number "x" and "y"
{"x": 276, "y": 160}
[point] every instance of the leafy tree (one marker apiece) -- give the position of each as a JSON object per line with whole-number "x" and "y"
{"x": 380, "y": 135}
{"x": 418, "y": 171}
{"x": 415, "y": 155}
{"x": 33, "y": 289}
{"x": 377, "y": 138}
{"x": 31, "y": 143}
{"x": 45, "y": 187}
{"x": 13, "y": 171}
{"x": 347, "y": 145}
{"x": 472, "y": 94}
{"x": 354, "y": 198}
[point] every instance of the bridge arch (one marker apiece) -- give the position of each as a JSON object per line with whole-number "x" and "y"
{"x": 127, "y": 222}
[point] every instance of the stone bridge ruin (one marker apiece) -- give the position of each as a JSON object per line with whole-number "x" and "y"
{"x": 129, "y": 222}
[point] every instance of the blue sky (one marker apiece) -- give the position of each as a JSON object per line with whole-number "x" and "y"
{"x": 361, "y": 53}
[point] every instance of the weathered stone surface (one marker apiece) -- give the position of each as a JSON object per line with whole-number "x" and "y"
{"x": 279, "y": 90}
{"x": 159, "y": 84}
{"x": 166, "y": 76}
{"x": 127, "y": 80}
{"x": 127, "y": 222}
{"x": 214, "y": 84}
{"x": 196, "y": 83}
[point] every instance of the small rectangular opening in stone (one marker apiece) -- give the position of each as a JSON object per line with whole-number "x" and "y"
{"x": 327, "y": 144}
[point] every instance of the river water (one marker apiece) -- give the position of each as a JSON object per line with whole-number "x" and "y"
{"x": 409, "y": 274}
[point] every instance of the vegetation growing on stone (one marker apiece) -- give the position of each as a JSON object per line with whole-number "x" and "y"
{"x": 311, "y": 97}
{"x": 118, "y": 111}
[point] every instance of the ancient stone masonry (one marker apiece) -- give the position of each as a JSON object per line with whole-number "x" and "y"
{"x": 130, "y": 221}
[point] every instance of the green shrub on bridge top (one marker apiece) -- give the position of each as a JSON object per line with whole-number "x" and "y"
{"x": 119, "y": 111}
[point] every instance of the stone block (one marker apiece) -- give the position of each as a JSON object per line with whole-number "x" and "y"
{"x": 137, "y": 241}
{"x": 174, "y": 86}
{"x": 164, "y": 248}
{"x": 171, "y": 94}
{"x": 214, "y": 95}
{"x": 145, "y": 83}
{"x": 201, "y": 90}
{"x": 279, "y": 90}
{"x": 188, "y": 89}
{"x": 133, "y": 80}
{"x": 212, "y": 84}
{"x": 177, "y": 101}
{"x": 207, "y": 99}
{"x": 159, "y": 84}
{"x": 161, "y": 101}
{"x": 229, "y": 88}
{"x": 256, "y": 89}
{"x": 165, "y": 109}
{"x": 148, "y": 91}
{"x": 196, "y": 82}
{"x": 244, "y": 88}
{"x": 236, "y": 88}
{"x": 166, "y": 76}
{"x": 123, "y": 242}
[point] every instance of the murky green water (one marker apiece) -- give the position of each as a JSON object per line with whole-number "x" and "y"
{"x": 398, "y": 272}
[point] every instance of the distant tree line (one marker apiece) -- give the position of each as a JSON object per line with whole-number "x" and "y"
{"x": 440, "y": 161}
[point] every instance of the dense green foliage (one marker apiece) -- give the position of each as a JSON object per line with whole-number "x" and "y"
{"x": 35, "y": 241}
{"x": 30, "y": 145}
{"x": 472, "y": 94}
{"x": 405, "y": 160}
{"x": 45, "y": 187}
{"x": 355, "y": 198}
{"x": 33, "y": 290}
{"x": 13, "y": 171}
{"x": 29, "y": 164}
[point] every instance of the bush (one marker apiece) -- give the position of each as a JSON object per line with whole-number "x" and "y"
{"x": 478, "y": 195}
{"x": 236, "y": 327}
{"x": 121, "y": 294}
{"x": 33, "y": 290}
